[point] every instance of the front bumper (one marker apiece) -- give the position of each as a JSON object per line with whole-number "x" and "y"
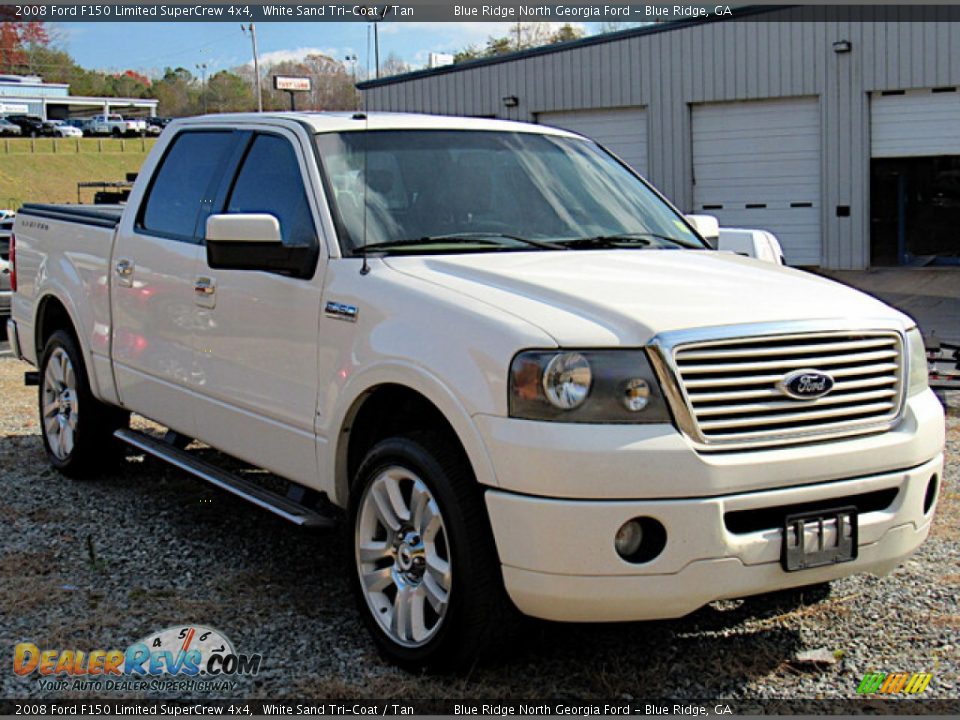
{"x": 5, "y": 296}
{"x": 559, "y": 561}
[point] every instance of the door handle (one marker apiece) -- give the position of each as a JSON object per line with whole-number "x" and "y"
{"x": 205, "y": 291}
{"x": 124, "y": 269}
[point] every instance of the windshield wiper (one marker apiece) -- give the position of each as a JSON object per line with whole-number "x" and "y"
{"x": 482, "y": 238}
{"x": 640, "y": 239}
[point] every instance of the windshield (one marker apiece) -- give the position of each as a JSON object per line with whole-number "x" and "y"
{"x": 419, "y": 191}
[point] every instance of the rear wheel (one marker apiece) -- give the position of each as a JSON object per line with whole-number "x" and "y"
{"x": 426, "y": 576}
{"x": 76, "y": 427}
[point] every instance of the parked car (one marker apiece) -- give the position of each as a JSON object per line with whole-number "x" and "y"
{"x": 526, "y": 378}
{"x": 760, "y": 244}
{"x": 114, "y": 125}
{"x": 29, "y": 125}
{"x": 59, "y": 128}
{"x": 9, "y": 129}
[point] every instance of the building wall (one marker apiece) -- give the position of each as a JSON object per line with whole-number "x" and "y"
{"x": 785, "y": 53}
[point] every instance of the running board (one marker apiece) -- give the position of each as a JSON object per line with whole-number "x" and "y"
{"x": 225, "y": 480}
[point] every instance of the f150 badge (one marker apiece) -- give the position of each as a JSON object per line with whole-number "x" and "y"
{"x": 806, "y": 384}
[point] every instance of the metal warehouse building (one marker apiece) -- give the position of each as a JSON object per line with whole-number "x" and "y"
{"x": 838, "y": 130}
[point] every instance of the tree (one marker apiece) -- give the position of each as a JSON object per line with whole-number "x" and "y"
{"x": 332, "y": 86}
{"x": 178, "y": 92}
{"x": 15, "y": 39}
{"x": 521, "y": 37}
{"x": 566, "y": 32}
{"x": 499, "y": 46}
{"x": 471, "y": 52}
{"x": 393, "y": 65}
{"x": 228, "y": 92}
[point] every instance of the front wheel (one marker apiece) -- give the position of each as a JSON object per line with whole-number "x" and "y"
{"x": 427, "y": 577}
{"x": 76, "y": 427}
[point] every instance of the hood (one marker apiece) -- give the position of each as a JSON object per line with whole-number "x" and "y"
{"x": 602, "y": 298}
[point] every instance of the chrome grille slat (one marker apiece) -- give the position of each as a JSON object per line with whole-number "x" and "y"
{"x": 800, "y": 362}
{"x": 698, "y": 397}
{"x": 838, "y": 372}
{"x": 714, "y": 410}
{"x": 731, "y": 385}
{"x": 741, "y": 351}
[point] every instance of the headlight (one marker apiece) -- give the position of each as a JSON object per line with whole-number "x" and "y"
{"x": 918, "y": 379}
{"x": 566, "y": 380}
{"x": 586, "y": 386}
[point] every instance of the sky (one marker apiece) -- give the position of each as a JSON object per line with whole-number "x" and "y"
{"x": 150, "y": 47}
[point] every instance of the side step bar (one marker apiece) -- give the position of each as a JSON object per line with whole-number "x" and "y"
{"x": 225, "y": 480}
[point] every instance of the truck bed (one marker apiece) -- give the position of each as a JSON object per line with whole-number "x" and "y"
{"x": 107, "y": 216}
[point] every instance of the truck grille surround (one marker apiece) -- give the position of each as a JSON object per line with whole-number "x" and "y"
{"x": 728, "y": 391}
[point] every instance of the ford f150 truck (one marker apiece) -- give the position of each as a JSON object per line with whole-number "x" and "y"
{"x": 526, "y": 378}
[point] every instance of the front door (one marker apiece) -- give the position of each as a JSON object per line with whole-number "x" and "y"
{"x": 257, "y": 339}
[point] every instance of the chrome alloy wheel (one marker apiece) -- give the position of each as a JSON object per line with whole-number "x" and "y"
{"x": 60, "y": 404}
{"x": 403, "y": 556}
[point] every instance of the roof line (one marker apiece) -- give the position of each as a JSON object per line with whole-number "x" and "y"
{"x": 568, "y": 45}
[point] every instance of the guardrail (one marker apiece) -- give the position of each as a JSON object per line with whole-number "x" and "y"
{"x": 74, "y": 146}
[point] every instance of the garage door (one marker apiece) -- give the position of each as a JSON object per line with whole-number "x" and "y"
{"x": 757, "y": 165}
{"x": 915, "y": 123}
{"x": 623, "y": 131}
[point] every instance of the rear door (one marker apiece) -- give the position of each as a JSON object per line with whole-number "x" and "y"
{"x": 152, "y": 281}
{"x": 257, "y": 338}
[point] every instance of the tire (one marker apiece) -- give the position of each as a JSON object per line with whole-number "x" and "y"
{"x": 117, "y": 133}
{"x": 77, "y": 428}
{"x": 429, "y": 588}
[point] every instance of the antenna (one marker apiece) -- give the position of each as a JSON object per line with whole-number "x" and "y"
{"x": 365, "y": 268}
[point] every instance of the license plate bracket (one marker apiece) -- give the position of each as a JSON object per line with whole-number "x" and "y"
{"x": 815, "y": 539}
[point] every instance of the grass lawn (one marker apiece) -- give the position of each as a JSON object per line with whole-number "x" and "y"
{"x": 50, "y": 172}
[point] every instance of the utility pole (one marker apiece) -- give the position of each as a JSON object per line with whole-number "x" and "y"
{"x": 256, "y": 63}
{"x": 202, "y": 67}
{"x": 376, "y": 48}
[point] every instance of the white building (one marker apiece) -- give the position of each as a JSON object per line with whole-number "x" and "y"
{"x": 30, "y": 95}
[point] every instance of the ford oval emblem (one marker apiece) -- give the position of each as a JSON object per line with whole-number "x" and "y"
{"x": 806, "y": 384}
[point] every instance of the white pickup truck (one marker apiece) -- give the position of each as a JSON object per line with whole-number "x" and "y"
{"x": 115, "y": 125}
{"x": 528, "y": 381}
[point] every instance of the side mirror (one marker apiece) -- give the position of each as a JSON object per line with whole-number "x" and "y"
{"x": 707, "y": 226}
{"x": 252, "y": 241}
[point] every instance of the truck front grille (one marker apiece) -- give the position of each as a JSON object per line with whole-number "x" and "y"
{"x": 734, "y": 392}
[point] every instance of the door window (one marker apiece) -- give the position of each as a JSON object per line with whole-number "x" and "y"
{"x": 270, "y": 182}
{"x": 181, "y": 183}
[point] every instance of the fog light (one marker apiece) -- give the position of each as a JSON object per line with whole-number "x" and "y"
{"x": 628, "y": 539}
{"x": 636, "y": 395}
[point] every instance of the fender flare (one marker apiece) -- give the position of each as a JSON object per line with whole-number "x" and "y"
{"x": 354, "y": 393}
{"x": 53, "y": 290}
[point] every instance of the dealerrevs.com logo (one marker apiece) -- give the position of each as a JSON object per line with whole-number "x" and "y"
{"x": 188, "y": 657}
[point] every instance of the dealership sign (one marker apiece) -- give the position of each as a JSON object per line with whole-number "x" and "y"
{"x": 291, "y": 84}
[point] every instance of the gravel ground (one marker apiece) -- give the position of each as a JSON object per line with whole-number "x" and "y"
{"x": 102, "y": 563}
